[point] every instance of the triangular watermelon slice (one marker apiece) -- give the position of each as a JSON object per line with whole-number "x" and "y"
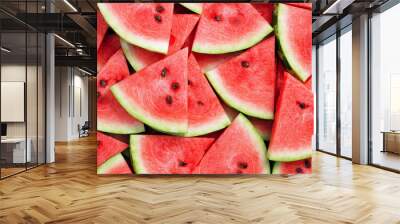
{"x": 115, "y": 165}
{"x": 206, "y": 114}
{"x": 294, "y": 122}
{"x": 107, "y": 147}
{"x": 265, "y": 9}
{"x": 158, "y": 154}
{"x": 195, "y": 7}
{"x": 153, "y": 30}
{"x": 229, "y": 27}
{"x": 157, "y": 95}
{"x": 182, "y": 26}
{"x": 101, "y": 29}
{"x": 247, "y": 82}
{"x": 295, "y": 50}
{"x": 111, "y": 117}
{"x": 296, "y": 167}
{"x": 108, "y": 47}
{"x": 238, "y": 150}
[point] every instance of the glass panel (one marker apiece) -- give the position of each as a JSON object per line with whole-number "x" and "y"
{"x": 385, "y": 86}
{"x": 13, "y": 87}
{"x": 327, "y": 96}
{"x": 346, "y": 93}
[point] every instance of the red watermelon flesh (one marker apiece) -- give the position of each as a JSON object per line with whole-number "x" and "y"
{"x": 229, "y": 27}
{"x": 208, "y": 62}
{"x": 229, "y": 156}
{"x": 206, "y": 114}
{"x": 107, "y": 147}
{"x": 309, "y": 83}
{"x": 293, "y": 125}
{"x": 265, "y": 9}
{"x": 182, "y": 26}
{"x": 247, "y": 82}
{"x": 295, "y": 50}
{"x": 151, "y": 33}
{"x": 101, "y": 29}
{"x": 115, "y": 165}
{"x": 115, "y": 70}
{"x": 301, "y": 5}
{"x": 296, "y": 167}
{"x": 157, "y": 95}
{"x": 280, "y": 71}
{"x": 108, "y": 47}
{"x": 160, "y": 154}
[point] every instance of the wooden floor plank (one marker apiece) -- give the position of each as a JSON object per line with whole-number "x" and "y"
{"x": 69, "y": 191}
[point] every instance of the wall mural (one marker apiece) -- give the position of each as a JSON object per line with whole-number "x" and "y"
{"x": 204, "y": 88}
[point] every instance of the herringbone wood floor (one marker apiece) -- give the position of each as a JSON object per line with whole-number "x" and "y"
{"x": 70, "y": 192}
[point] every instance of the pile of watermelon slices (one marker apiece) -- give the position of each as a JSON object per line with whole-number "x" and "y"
{"x": 204, "y": 88}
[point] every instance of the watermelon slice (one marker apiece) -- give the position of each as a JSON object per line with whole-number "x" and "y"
{"x": 107, "y": 147}
{"x": 301, "y": 5}
{"x": 265, "y": 9}
{"x": 208, "y": 62}
{"x": 206, "y": 114}
{"x": 111, "y": 117}
{"x": 153, "y": 30}
{"x": 229, "y": 156}
{"x": 195, "y": 7}
{"x": 157, "y": 95}
{"x": 229, "y": 27}
{"x": 309, "y": 83}
{"x": 296, "y": 167}
{"x": 158, "y": 154}
{"x": 101, "y": 29}
{"x": 115, "y": 165}
{"x": 247, "y": 82}
{"x": 295, "y": 50}
{"x": 293, "y": 125}
{"x": 182, "y": 26}
{"x": 108, "y": 47}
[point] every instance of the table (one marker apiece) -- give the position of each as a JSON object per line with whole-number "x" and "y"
{"x": 391, "y": 141}
{"x": 17, "y": 147}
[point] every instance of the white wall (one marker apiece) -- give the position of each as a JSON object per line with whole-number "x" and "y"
{"x": 71, "y": 94}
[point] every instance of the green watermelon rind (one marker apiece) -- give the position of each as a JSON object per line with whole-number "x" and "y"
{"x": 129, "y": 36}
{"x": 119, "y": 129}
{"x": 276, "y": 168}
{"x": 261, "y": 147}
{"x": 109, "y": 163}
{"x": 211, "y": 126}
{"x": 131, "y": 59}
{"x": 250, "y": 110}
{"x": 246, "y": 42}
{"x": 289, "y": 155}
{"x": 138, "y": 113}
{"x": 194, "y": 7}
{"x": 283, "y": 51}
{"x": 135, "y": 149}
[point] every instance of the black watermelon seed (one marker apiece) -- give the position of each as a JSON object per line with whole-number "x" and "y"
{"x": 307, "y": 163}
{"x": 158, "y": 18}
{"x": 168, "y": 99}
{"x": 160, "y": 9}
{"x": 182, "y": 163}
{"x": 200, "y": 103}
{"x": 242, "y": 165}
{"x": 164, "y": 72}
{"x": 302, "y": 105}
{"x": 175, "y": 85}
{"x": 217, "y": 18}
{"x": 103, "y": 83}
{"x": 299, "y": 170}
{"x": 245, "y": 64}
{"x": 190, "y": 83}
